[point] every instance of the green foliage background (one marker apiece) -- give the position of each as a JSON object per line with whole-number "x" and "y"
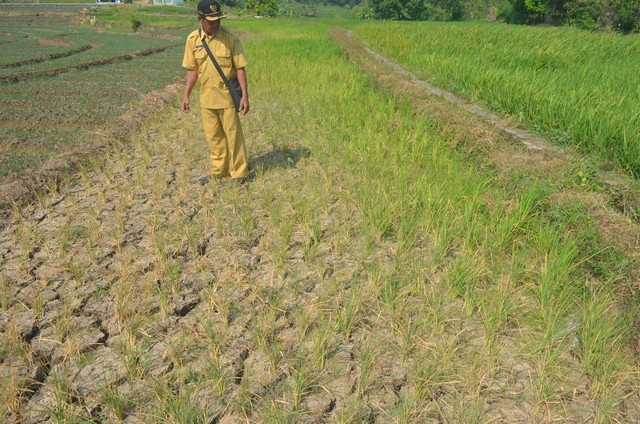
{"x": 618, "y": 15}
{"x": 611, "y": 15}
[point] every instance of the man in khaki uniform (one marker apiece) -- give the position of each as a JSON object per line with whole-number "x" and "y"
{"x": 220, "y": 119}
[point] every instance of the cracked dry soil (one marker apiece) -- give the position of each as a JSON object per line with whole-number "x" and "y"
{"x": 133, "y": 292}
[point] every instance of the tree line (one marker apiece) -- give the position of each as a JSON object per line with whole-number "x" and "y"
{"x": 615, "y": 15}
{"x": 612, "y": 15}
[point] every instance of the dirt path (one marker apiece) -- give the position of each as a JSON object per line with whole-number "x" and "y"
{"x": 133, "y": 293}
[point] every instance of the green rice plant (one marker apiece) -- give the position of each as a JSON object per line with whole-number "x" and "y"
{"x": 472, "y": 215}
{"x": 557, "y": 292}
{"x": 445, "y": 236}
{"x": 497, "y": 307}
{"x": 575, "y": 85}
{"x": 180, "y": 355}
{"x": 394, "y": 294}
{"x": 133, "y": 356}
{"x": 274, "y": 411}
{"x": 468, "y": 410}
{"x": 304, "y": 321}
{"x": 246, "y": 221}
{"x": 272, "y": 300}
{"x": 175, "y": 405}
{"x": 218, "y": 377}
{"x": 62, "y": 327}
{"x": 174, "y": 270}
{"x": 242, "y": 399}
{"x": 278, "y": 254}
{"x": 301, "y": 381}
{"x": 63, "y": 395}
{"x": 315, "y": 232}
{"x": 5, "y": 293}
{"x": 511, "y": 220}
{"x": 348, "y": 314}
{"x": 410, "y": 218}
{"x": 78, "y": 271}
{"x": 434, "y": 372}
{"x": 69, "y": 235}
{"x": 267, "y": 342}
{"x": 408, "y": 331}
{"x": 116, "y": 403}
{"x": 598, "y": 344}
{"x": 550, "y": 371}
{"x": 366, "y": 365}
{"x": 352, "y": 411}
{"x": 213, "y": 341}
{"x": 321, "y": 344}
{"x": 465, "y": 276}
{"x": 378, "y": 209}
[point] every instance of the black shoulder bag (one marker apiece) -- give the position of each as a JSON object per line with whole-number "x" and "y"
{"x": 233, "y": 85}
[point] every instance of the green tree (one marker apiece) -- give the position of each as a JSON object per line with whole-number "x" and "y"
{"x": 396, "y": 10}
{"x": 625, "y": 15}
{"x": 540, "y": 11}
{"x": 263, "y": 7}
{"x": 453, "y": 9}
{"x": 419, "y": 10}
{"x": 585, "y": 13}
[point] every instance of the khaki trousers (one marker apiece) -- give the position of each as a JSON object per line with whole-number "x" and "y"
{"x": 223, "y": 132}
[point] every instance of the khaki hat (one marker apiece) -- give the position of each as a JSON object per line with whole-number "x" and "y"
{"x": 210, "y": 10}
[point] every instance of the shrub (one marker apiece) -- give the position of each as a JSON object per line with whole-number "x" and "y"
{"x": 135, "y": 24}
{"x": 263, "y": 7}
{"x": 363, "y": 12}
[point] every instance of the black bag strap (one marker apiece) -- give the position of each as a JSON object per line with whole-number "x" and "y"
{"x": 234, "y": 94}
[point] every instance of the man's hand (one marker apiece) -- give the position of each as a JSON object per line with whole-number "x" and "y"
{"x": 244, "y": 101}
{"x": 192, "y": 77}
{"x": 185, "y": 104}
{"x": 244, "y": 105}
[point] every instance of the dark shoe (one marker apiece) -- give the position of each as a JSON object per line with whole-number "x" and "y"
{"x": 203, "y": 180}
{"x": 239, "y": 181}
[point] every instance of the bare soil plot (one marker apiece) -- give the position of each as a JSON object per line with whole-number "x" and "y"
{"x": 62, "y": 79}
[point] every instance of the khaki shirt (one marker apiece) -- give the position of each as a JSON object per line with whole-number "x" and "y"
{"x": 227, "y": 50}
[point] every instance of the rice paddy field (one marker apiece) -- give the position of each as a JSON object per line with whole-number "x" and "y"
{"x": 69, "y": 79}
{"x": 578, "y": 87}
{"x": 377, "y": 267}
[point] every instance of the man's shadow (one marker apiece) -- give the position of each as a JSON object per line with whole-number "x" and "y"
{"x": 278, "y": 158}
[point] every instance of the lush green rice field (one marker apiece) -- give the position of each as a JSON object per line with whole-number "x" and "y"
{"x": 580, "y": 87}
